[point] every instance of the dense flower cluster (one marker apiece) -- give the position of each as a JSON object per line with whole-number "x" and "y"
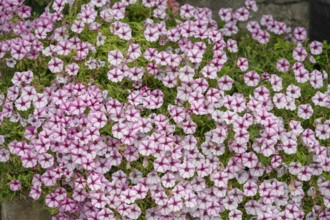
{"x": 85, "y": 144}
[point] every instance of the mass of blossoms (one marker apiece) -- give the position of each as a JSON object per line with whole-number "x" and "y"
{"x": 145, "y": 109}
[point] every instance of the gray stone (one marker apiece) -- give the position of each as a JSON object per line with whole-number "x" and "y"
{"x": 319, "y": 20}
{"x": 22, "y": 210}
{"x": 282, "y": 2}
{"x": 293, "y": 12}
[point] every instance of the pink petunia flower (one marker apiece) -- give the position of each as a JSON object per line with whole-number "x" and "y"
{"x": 251, "y": 78}
{"x": 305, "y": 111}
{"x": 283, "y": 65}
{"x": 15, "y": 185}
{"x": 4, "y": 155}
{"x": 316, "y": 47}
{"x": 300, "y": 34}
{"x": 55, "y": 65}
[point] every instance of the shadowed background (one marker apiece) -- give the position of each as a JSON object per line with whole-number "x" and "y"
{"x": 311, "y": 14}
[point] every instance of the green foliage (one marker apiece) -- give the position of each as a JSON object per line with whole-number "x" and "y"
{"x": 37, "y": 6}
{"x": 137, "y": 13}
{"x": 262, "y": 58}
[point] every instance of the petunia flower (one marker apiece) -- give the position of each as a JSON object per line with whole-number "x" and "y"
{"x": 305, "y": 173}
{"x": 242, "y": 14}
{"x": 195, "y": 55}
{"x": 63, "y": 48}
{"x": 94, "y": 181}
{"x": 200, "y": 85}
{"x": 251, "y": 5}
{"x": 18, "y": 51}
{"x": 98, "y": 3}
{"x": 135, "y": 73}
{"x": 319, "y": 99}
{"x": 15, "y": 185}
{"x": 299, "y": 54}
{"x": 35, "y": 192}
{"x": 52, "y": 200}
{"x": 308, "y": 137}
{"x": 72, "y": 69}
{"x": 253, "y": 27}
{"x": 186, "y": 74}
{"x": 161, "y": 164}
{"x": 225, "y": 83}
{"x": 209, "y": 72}
{"x": 316, "y": 79}
{"x": 316, "y": 47}
{"x": 293, "y": 91}
{"x": 300, "y": 34}
{"x": 115, "y": 74}
{"x": 128, "y": 196}
{"x": 322, "y": 131}
{"x": 88, "y": 14}
{"x": 67, "y": 205}
{"x": 162, "y": 58}
{"x": 175, "y": 203}
{"x": 226, "y": 14}
{"x": 97, "y": 119}
{"x": 251, "y": 78}
{"x": 134, "y": 51}
{"x": 232, "y": 46}
{"x": 131, "y": 154}
{"x": 203, "y": 169}
{"x": 78, "y": 26}
{"x": 293, "y": 211}
{"x": 283, "y": 65}
{"x": 55, "y": 65}
{"x": 4, "y": 155}
{"x": 141, "y": 190}
{"x": 115, "y": 57}
{"x": 122, "y": 30}
{"x": 305, "y": 111}
{"x": 235, "y": 214}
{"x": 134, "y": 211}
{"x": 262, "y": 37}
{"x": 45, "y": 160}
{"x": 280, "y": 100}
{"x": 173, "y": 34}
{"x": 289, "y": 146}
{"x": 29, "y": 159}
{"x": 276, "y": 83}
{"x": 151, "y": 34}
{"x": 99, "y": 200}
{"x": 170, "y": 80}
{"x": 11, "y": 62}
{"x": 168, "y": 180}
{"x": 189, "y": 127}
{"x": 23, "y": 103}
{"x": 301, "y": 75}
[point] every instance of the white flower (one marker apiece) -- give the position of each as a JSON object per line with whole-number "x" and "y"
{"x": 55, "y": 65}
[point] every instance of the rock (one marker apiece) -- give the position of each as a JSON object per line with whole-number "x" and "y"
{"x": 320, "y": 17}
{"x": 286, "y": 2}
{"x": 293, "y": 12}
{"x": 21, "y": 210}
{"x": 214, "y": 5}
